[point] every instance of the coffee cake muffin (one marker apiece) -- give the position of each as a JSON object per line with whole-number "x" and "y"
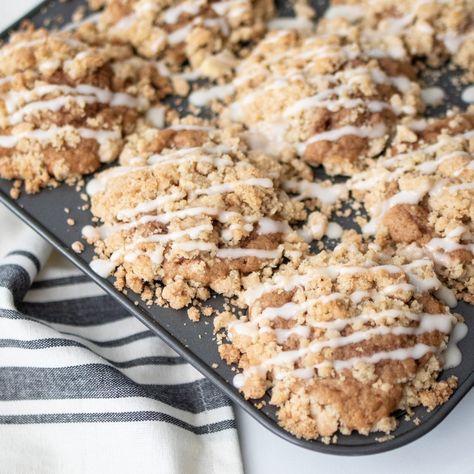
{"x": 65, "y": 106}
{"x": 188, "y": 209}
{"x": 204, "y": 33}
{"x": 342, "y": 340}
{"x": 420, "y": 197}
{"x": 322, "y": 98}
{"x": 432, "y": 30}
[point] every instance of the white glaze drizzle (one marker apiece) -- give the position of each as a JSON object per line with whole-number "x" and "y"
{"x": 452, "y": 355}
{"x": 172, "y": 14}
{"x": 203, "y": 97}
{"x": 233, "y": 253}
{"x": 12, "y": 98}
{"x": 310, "y": 190}
{"x": 274, "y": 142}
{"x": 231, "y": 187}
{"x": 414, "y": 352}
{"x": 426, "y": 322}
{"x": 291, "y": 23}
{"x": 13, "y": 46}
{"x": 351, "y": 13}
{"x": 334, "y": 230}
{"x": 367, "y": 180}
{"x": 103, "y": 137}
{"x": 225, "y": 11}
{"x": 99, "y": 182}
{"x": 439, "y": 248}
{"x": 225, "y": 7}
{"x": 468, "y": 95}
{"x": 433, "y": 96}
{"x": 375, "y": 131}
{"x": 333, "y": 272}
{"x": 148, "y": 206}
{"x": 156, "y": 116}
{"x": 323, "y": 100}
{"x": 74, "y": 25}
{"x": 90, "y": 233}
{"x": 102, "y": 267}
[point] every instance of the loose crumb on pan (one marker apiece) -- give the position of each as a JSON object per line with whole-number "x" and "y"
{"x": 77, "y": 246}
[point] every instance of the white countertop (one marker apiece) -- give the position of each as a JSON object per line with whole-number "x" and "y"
{"x": 448, "y": 449}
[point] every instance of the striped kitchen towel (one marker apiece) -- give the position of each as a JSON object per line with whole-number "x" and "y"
{"x": 86, "y": 388}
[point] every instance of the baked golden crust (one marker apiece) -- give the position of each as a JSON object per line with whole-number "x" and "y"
{"x": 65, "y": 106}
{"x": 342, "y": 340}
{"x": 189, "y": 209}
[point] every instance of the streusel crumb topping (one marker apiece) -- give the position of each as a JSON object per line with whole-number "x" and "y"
{"x": 64, "y": 108}
{"x": 431, "y": 30}
{"x": 321, "y": 98}
{"x": 186, "y": 208}
{"x": 420, "y": 197}
{"x": 207, "y": 34}
{"x": 342, "y": 339}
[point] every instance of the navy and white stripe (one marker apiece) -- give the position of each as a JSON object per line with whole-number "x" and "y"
{"x": 79, "y": 376}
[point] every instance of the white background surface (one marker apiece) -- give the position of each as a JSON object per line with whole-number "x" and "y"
{"x": 449, "y": 448}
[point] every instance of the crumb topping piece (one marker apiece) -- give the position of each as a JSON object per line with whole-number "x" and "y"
{"x": 433, "y": 30}
{"x": 191, "y": 211}
{"x": 342, "y": 340}
{"x": 205, "y": 33}
{"x": 63, "y": 107}
{"x": 420, "y": 197}
{"x": 321, "y": 98}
